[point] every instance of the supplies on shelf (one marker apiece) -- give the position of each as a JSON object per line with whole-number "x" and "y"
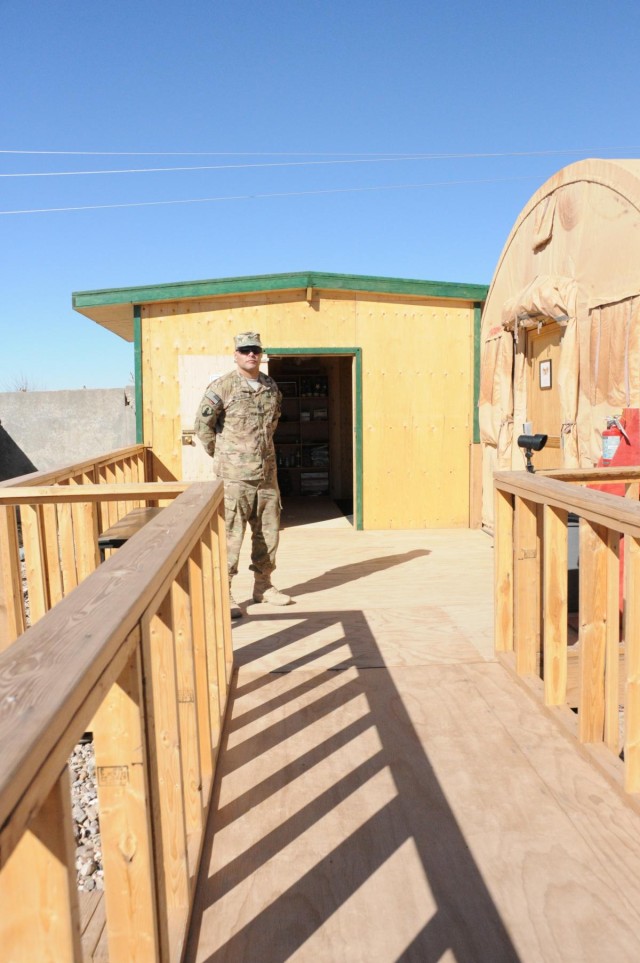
{"x": 314, "y": 483}
{"x": 314, "y": 386}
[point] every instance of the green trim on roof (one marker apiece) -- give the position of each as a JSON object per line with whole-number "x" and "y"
{"x": 278, "y": 282}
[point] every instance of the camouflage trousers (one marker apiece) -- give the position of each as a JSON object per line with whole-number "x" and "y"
{"x": 257, "y": 503}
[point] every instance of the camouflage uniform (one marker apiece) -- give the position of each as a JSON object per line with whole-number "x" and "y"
{"x": 235, "y": 423}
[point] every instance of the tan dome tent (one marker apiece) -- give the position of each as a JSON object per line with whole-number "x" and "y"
{"x": 560, "y": 328}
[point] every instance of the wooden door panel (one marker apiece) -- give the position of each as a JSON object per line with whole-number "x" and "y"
{"x": 543, "y": 403}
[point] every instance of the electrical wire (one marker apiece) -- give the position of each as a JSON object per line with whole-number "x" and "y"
{"x": 421, "y": 154}
{"x": 247, "y": 197}
{"x": 377, "y": 159}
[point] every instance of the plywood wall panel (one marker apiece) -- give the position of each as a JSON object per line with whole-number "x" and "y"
{"x": 417, "y": 387}
{"x": 417, "y": 402}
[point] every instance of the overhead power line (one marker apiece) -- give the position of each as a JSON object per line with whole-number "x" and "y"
{"x": 375, "y": 159}
{"x": 291, "y": 153}
{"x": 248, "y": 197}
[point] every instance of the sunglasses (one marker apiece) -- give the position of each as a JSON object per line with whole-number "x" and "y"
{"x": 249, "y": 350}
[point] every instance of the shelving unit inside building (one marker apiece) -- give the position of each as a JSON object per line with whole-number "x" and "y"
{"x": 313, "y": 437}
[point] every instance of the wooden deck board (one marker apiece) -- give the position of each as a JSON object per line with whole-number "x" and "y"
{"x": 386, "y": 791}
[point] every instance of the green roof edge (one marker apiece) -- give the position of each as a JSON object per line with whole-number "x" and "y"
{"x": 278, "y": 282}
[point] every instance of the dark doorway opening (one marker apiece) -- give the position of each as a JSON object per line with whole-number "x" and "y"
{"x": 314, "y": 439}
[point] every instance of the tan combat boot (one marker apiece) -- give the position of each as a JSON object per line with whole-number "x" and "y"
{"x": 236, "y": 611}
{"x": 264, "y": 591}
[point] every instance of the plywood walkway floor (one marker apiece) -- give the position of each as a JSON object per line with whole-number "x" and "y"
{"x": 387, "y": 793}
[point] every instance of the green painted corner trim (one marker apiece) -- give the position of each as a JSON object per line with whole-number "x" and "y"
{"x": 359, "y": 519}
{"x": 477, "y": 327}
{"x": 356, "y": 354}
{"x": 137, "y": 355}
{"x": 277, "y": 282}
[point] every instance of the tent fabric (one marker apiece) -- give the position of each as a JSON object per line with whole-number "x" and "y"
{"x": 544, "y": 297}
{"x": 572, "y": 258}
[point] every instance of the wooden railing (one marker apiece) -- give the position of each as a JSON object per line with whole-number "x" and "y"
{"x": 532, "y": 622}
{"x": 50, "y": 545}
{"x": 141, "y": 652}
{"x": 122, "y": 465}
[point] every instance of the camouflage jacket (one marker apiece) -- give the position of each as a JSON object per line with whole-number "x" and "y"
{"x": 236, "y": 425}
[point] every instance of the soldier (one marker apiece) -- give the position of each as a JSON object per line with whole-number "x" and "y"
{"x": 235, "y": 422}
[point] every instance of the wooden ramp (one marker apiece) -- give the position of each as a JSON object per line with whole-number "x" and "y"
{"x": 387, "y": 792}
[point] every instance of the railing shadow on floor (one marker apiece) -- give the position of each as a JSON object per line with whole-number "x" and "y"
{"x": 367, "y": 736}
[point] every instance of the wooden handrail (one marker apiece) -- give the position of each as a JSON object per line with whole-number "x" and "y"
{"x": 150, "y": 625}
{"x": 600, "y": 508}
{"x": 532, "y": 513}
{"x": 65, "y": 494}
{"x": 58, "y": 535}
{"x": 57, "y": 475}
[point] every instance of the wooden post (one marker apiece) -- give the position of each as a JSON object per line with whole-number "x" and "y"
{"x": 112, "y": 508}
{"x": 52, "y": 553}
{"x": 221, "y": 584}
{"x": 165, "y": 780}
{"x": 12, "y": 616}
{"x": 215, "y": 642}
{"x": 32, "y": 542}
{"x": 125, "y": 823}
{"x": 612, "y": 652}
{"x": 206, "y": 738}
{"x": 189, "y": 733}
{"x": 503, "y": 572}
{"x": 594, "y": 572}
{"x": 39, "y": 915}
{"x": 85, "y": 533}
{"x": 67, "y": 548}
{"x": 554, "y": 608}
{"x": 632, "y": 658}
{"x": 526, "y": 587}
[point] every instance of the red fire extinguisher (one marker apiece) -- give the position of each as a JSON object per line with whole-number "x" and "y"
{"x": 617, "y": 453}
{"x": 611, "y": 437}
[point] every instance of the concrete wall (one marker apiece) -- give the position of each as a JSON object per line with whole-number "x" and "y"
{"x": 41, "y": 430}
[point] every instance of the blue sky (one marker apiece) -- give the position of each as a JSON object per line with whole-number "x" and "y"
{"x": 344, "y": 94}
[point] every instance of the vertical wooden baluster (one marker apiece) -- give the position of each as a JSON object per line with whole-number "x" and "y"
{"x": 503, "y": 568}
{"x": 632, "y": 660}
{"x": 199, "y": 629}
{"x": 32, "y": 541}
{"x": 526, "y": 587}
{"x": 112, "y": 506}
{"x": 612, "y": 645}
{"x": 85, "y": 533}
{"x": 39, "y": 914}
{"x": 12, "y": 614}
{"x": 165, "y": 780}
{"x": 125, "y": 819}
{"x": 67, "y": 547}
{"x": 221, "y": 581}
{"x": 52, "y": 553}
{"x": 215, "y": 642}
{"x": 555, "y": 613}
{"x": 594, "y": 572}
{"x": 189, "y": 732}
{"x": 123, "y": 506}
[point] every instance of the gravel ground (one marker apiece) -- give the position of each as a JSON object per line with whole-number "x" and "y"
{"x": 86, "y": 826}
{"x": 84, "y": 801}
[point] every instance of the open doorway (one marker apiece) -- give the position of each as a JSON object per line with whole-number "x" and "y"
{"x": 315, "y": 437}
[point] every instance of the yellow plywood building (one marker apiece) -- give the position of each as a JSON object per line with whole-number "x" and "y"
{"x": 379, "y": 377}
